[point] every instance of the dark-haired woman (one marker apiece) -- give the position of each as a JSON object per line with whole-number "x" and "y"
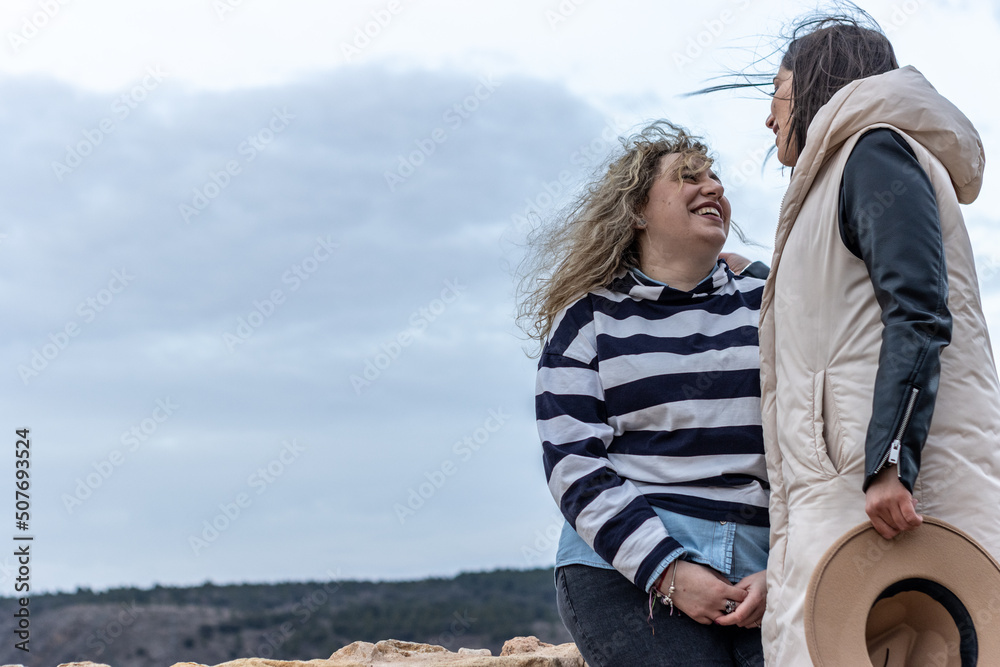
{"x": 871, "y": 322}
{"x": 648, "y": 408}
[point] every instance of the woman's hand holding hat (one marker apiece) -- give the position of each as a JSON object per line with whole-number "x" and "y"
{"x": 891, "y": 508}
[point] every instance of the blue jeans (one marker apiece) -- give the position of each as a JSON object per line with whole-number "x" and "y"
{"x": 608, "y": 618}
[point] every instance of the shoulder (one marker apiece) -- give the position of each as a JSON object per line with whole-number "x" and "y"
{"x": 572, "y": 326}
{"x": 881, "y": 142}
{"x": 573, "y": 331}
{"x": 881, "y": 160}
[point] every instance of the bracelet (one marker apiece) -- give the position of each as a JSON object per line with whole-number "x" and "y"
{"x": 666, "y": 599}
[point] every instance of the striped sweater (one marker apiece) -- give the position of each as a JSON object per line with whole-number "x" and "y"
{"x": 649, "y": 396}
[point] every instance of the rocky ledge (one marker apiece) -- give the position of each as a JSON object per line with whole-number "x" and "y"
{"x": 517, "y": 652}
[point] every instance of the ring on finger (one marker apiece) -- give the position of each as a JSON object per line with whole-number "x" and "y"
{"x": 731, "y": 606}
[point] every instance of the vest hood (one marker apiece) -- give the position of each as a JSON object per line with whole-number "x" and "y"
{"x": 903, "y": 99}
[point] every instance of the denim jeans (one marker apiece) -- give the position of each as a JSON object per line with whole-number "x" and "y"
{"x": 608, "y": 618}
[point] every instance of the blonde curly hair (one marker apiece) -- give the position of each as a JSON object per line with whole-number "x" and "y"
{"x": 595, "y": 238}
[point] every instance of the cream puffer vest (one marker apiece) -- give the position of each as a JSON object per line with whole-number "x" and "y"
{"x": 820, "y": 336}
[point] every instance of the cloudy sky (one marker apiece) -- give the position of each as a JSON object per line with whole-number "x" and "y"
{"x": 257, "y": 260}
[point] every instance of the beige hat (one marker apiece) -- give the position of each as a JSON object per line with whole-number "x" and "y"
{"x": 930, "y": 597}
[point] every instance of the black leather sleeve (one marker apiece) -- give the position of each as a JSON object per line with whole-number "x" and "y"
{"x": 757, "y": 270}
{"x": 889, "y": 219}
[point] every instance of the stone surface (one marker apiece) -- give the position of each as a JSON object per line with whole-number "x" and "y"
{"x": 517, "y": 652}
{"x": 520, "y": 645}
{"x": 83, "y": 664}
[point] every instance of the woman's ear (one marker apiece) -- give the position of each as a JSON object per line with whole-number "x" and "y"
{"x": 639, "y": 222}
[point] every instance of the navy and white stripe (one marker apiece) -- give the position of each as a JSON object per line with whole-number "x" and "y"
{"x": 648, "y": 396}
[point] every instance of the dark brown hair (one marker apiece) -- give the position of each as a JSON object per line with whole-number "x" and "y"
{"x": 825, "y": 51}
{"x": 825, "y": 54}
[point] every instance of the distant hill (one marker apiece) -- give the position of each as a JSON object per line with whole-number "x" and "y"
{"x": 209, "y": 624}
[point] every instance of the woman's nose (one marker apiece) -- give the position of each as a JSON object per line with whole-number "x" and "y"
{"x": 770, "y": 121}
{"x": 712, "y": 188}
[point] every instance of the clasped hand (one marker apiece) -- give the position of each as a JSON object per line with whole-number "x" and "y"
{"x": 702, "y": 593}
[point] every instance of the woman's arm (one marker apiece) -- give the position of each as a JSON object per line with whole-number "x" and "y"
{"x": 889, "y": 219}
{"x": 606, "y": 510}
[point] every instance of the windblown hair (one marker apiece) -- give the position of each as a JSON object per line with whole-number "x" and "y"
{"x": 825, "y": 51}
{"x": 595, "y": 238}
{"x": 825, "y": 54}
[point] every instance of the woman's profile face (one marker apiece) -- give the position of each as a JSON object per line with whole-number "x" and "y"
{"x": 779, "y": 120}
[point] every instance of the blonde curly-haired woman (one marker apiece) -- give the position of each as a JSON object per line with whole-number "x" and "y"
{"x": 648, "y": 408}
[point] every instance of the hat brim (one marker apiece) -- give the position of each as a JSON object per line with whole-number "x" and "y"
{"x": 861, "y": 565}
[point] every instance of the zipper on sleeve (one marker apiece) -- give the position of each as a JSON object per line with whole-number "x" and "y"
{"x": 892, "y": 456}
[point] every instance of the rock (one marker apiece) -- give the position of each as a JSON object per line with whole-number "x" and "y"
{"x": 262, "y": 662}
{"x": 518, "y": 652}
{"x": 519, "y": 645}
{"x": 83, "y": 664}
{"x": 357, "y": 650}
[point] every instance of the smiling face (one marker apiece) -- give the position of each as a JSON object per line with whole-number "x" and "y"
{"x": 687, "y": 211}
{"x": 780, "y": 119}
